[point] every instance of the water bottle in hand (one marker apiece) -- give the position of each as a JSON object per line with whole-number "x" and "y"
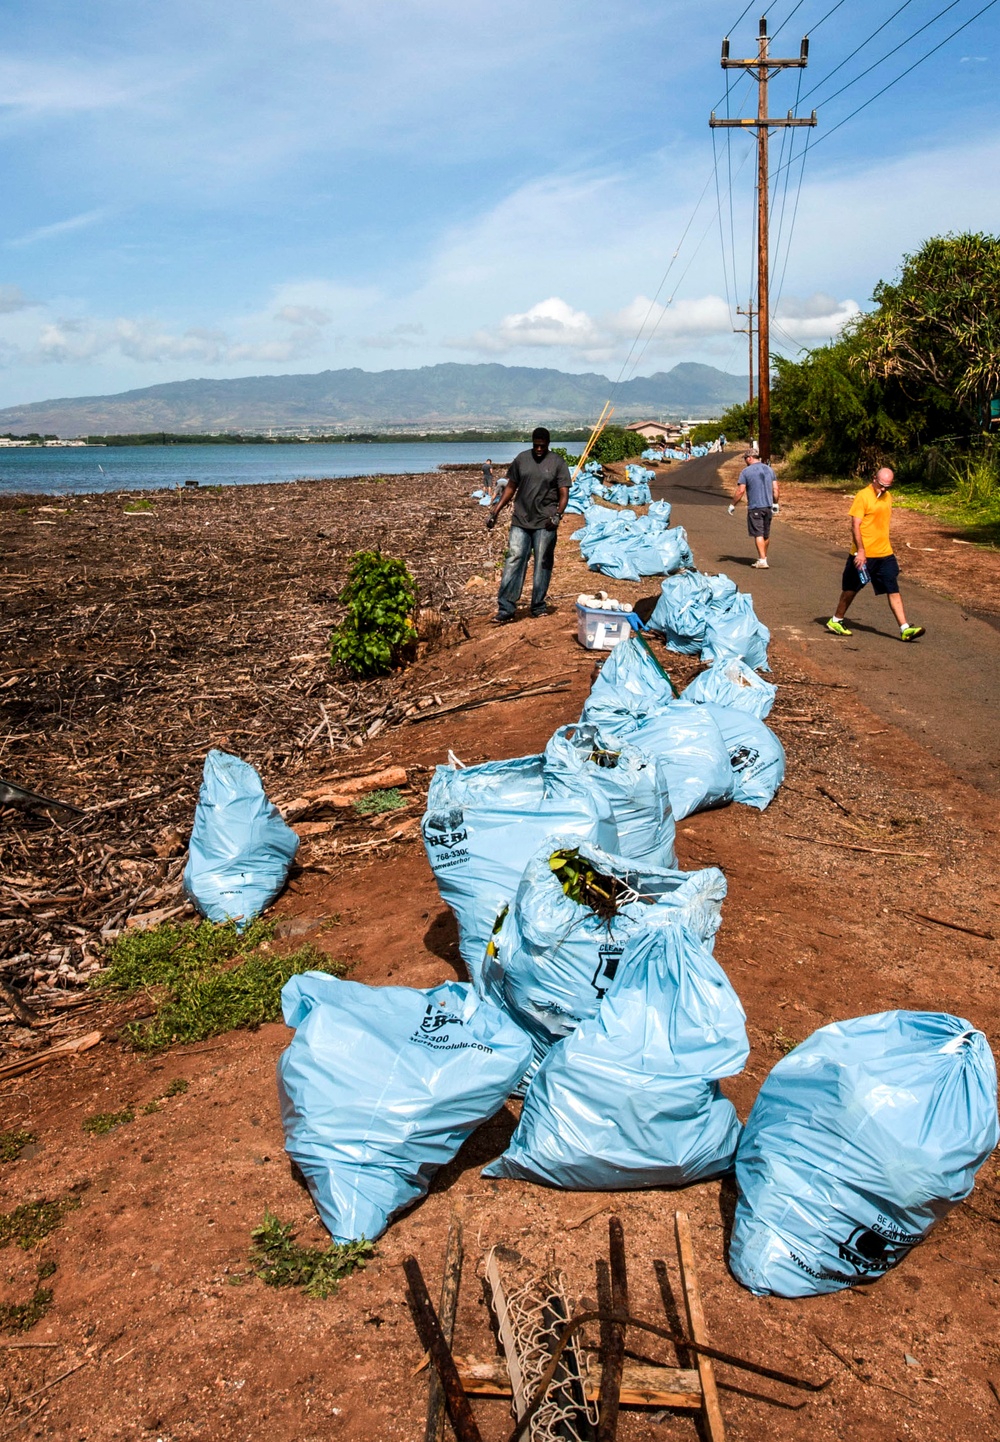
{"x": 863, "y": 575}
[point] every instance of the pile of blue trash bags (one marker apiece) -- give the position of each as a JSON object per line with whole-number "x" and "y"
{"x": 594, "y": 993}
{"x": 627, "y": 547}
{"x": 589, "y": 485}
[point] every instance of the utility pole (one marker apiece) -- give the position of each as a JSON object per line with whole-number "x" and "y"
{"x": 747, "y": 330}
{"x": 766, "y": 66}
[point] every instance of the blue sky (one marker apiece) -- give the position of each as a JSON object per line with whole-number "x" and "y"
{"x": 264, "y": 187}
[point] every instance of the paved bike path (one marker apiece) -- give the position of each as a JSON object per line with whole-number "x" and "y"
{"x": 943, "y": 689}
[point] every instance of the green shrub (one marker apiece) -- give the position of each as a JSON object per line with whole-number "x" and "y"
{"x": 378, "y": 801}
{"x": 103, "y": 1122}
{"x": 280, "y": 1262}
{"x": 12, "y": 1143}
{"x": 380, "y": 596}
{"x": 205, "y": 979}
{"x": 615, "y": 443}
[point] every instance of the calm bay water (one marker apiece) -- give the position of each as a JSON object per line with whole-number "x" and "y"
{"x": 58, "y": 471}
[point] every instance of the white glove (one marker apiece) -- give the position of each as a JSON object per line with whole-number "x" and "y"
{"x": 775, "y": 509}
{"x": 732, "y": 510}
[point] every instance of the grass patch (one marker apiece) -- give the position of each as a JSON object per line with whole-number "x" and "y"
{"x": 278, "y": 1260}
{"x": 204, "y": 979}
{"x": 177, "y": 1087}
{"x": 12, "y": 1143}
{"x": 151, "y": 1108}
{"x": 134, "y": 506}
{"x": 103, "y": 1122}
{"x": 21, "y": 1316}
{"x": 378, "y": 801}
{"x": 31, "y": 1222}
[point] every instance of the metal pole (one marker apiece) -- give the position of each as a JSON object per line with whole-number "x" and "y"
{"x": 763, "y": 268}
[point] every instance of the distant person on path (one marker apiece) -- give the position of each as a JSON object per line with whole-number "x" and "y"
{"x": 538, "y": 484}
{"x": 760, "y": 486}
{"x": 489, "y": 484}
{"x": 872, "y": 559}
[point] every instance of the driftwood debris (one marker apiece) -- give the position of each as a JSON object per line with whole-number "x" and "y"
{"x": 137, "y": 652}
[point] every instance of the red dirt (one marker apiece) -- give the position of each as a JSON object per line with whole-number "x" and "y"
{"x": 152, "y": 1290}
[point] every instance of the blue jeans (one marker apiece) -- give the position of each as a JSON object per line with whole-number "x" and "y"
{"x": 520, "y": 545}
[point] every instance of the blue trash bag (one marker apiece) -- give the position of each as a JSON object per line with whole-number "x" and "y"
{"x": 631, "y": 684}
{"x": 241, "y": 849}
{"x": 859, "y": 1141}
{"x": 756, "y": 755}
{"x": 634, "y": 783}
{"x": 601, "y": 524}
{"x": 632, "y": 699}
{"x": 659, "y": 511}
{"x": 631, "y": 1098}
{"x": 731, "y": 683}
{"x": 723, "y": 591}
{"x": 688, "y": 740}
{"x": 613, "y": 557}
{"x": 518, "y": 781}
{"x": 681, "y": 612}
{"x": 737, "y": 632}
{"x": 661, "y": 554}
{"x": 478, "y": 847}
{"x": 552, "y": 958}
{"x": 381, "y": 1085}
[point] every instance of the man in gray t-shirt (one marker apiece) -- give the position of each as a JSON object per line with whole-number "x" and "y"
{"x": 760, "y": 486}
{"x": 538, "y": 484}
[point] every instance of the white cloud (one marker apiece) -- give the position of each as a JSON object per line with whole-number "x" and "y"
{"x": 814, "y": 319}
{"x": 60, "y": 227}
{"x": 13, "y": 299}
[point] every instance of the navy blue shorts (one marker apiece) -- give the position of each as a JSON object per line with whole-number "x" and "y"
{"x": 884, "y": 573}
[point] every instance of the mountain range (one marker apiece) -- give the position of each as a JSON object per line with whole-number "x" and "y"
{"x": 430, "y": 397}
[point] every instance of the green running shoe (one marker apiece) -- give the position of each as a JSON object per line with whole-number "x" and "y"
{"x": 838, "y": 628}
{"x": 910, "y": 633}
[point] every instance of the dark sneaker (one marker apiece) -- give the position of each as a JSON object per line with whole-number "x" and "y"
{"x": 501, "y": 620}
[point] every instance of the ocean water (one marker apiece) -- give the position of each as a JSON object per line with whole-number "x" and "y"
{"x": 59, "y": 471}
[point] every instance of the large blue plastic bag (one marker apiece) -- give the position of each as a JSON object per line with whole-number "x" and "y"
{"x": 634, "y": 783}
{"x": 661, "y": 553}
{"x": 737, "y": 632}
{"x": 631, "y": 684}
{"x": 731, "y": 683}
{"x": 631, "y": 1098}
{"x": 240, "y": 849}
{"x": 553, "y": 958}
{"x": 381, "y": 1086}
{"x": 633, "y": 699}
{"x": 694, "y": 752}
{"x": 681, "y": 612}
{"x": 756, "y": 756}
{"x": 859, "y": 1141}
{"x": 478, "y": 853}
{"x": 519, "y": 781}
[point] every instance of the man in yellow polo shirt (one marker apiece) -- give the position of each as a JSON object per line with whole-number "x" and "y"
{"x": 872, "y": 558}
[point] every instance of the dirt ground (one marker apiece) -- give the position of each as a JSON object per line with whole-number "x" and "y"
{"x": 158, "y": 1329}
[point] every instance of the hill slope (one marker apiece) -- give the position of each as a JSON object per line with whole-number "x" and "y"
{"x": 431, "y": 396}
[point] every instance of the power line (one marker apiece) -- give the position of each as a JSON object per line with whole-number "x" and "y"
{"x": 824, "y": 18}
{"x": 857, "y": 50}
{"x": 788, "y": 17}
{"x": 901, "y": 76}
{"x": 889, "y": 53}
{"x": 722, "y": 236}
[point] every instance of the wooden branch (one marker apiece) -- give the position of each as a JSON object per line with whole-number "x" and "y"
{"x": 850, "y": 846}
{"x": 696, "y": 1326}
{"x": 524, "y": 693}
{"x": 435, "y": 1428}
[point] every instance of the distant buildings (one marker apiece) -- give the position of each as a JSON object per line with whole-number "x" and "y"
{"x": 37, "y": 441}
{"x": 662, "y": 431}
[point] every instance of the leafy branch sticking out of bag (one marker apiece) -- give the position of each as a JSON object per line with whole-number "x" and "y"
{"x": 607, "y": 760}
{"x": 604, "y": 895}
{"x": 380, "y": 596}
